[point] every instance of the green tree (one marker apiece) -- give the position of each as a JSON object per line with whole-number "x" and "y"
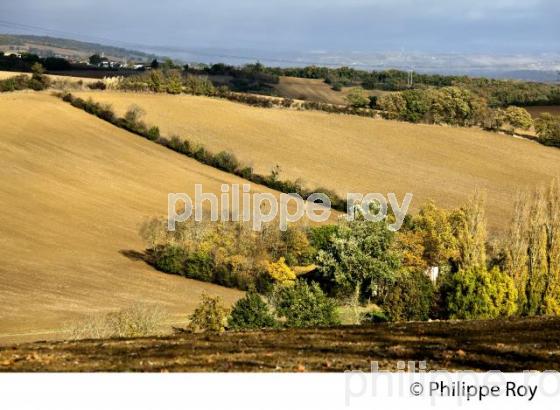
{"x": 251, "y": 312}
{"x": 358, "y": 255}
{"x": 410, "y": 298}
{"x": 548, "y": 129}
{"x": 95, "y": 59}
{"x": 475, "y": 293}
{"x": 304, "y": 305}
{"x": 357, "y": 98}
{"x": 518, "y": 117}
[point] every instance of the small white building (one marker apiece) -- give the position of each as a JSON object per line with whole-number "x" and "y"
{"x": 433, "y": 273}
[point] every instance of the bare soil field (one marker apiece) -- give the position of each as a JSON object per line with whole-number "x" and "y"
{"x": 505, "y": 345}
{"x": 73, "y": 193}
{"x": 355, "y": 154}
{"x": 313, "y": 90}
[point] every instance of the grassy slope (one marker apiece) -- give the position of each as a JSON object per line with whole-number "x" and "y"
{"x": 354, "y": 154}
{"x": 313, "y": 90}
{"x": 73, "y": 192}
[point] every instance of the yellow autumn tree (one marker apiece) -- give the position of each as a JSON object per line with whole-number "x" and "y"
{"x": 281, "y": 272}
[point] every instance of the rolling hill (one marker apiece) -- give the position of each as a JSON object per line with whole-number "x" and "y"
{"x": 73, "y": 193}
{"x": 314, "y": 90}
{"x": 355, "y": 154}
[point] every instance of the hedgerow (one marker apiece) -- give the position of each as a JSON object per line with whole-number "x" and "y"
{"x": 223, "y": 160}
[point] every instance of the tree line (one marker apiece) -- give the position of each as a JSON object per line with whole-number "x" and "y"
{"x": 306, "y": 274}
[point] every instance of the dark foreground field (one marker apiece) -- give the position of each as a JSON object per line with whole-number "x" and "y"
{"x": 511, "y": 345}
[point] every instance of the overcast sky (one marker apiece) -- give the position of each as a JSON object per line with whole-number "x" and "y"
{"x": 485, "y": 26}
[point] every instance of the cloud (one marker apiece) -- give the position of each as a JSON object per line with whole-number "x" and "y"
{"x": 364, "y": 25}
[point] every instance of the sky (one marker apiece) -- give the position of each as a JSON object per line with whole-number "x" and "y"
{"x": 307, "y": 26}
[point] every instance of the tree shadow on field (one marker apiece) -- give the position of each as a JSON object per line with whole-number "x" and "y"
{"x": 134, "y": 255}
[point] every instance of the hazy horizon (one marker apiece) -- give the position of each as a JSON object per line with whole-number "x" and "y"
{"x": 312, "y": 26}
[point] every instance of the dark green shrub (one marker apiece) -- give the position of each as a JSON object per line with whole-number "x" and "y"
{"x": 377, "y": 316}
{"x": 251, "y": 312}
{"x": 225, "y": 161}
{"x": 337, "y": 87}
{"x": 410, "y": 298}
{"x": 170, "y": 259}
{"x": 200, "y": 266}
{"x": 98, "y": 85}
{"x": 319, "y": 236}
{"x": 36, "y": 85}
{"x": 153, "y": 133}
{"x": 18, "y": 82}
{"x": 304, "y": 305}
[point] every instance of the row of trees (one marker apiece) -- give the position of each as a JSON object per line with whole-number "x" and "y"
{"x": 498, "y": 93}
{"x": 451, "y": 105}
{"x": 298, "y": 305}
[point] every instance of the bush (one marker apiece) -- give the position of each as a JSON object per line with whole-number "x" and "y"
{"x": 480, "y": 294}
{"x": 97, "y": 85}
{"x": 548, "y": 129}
{"x": 357, "y": 98}
{"x": 18, "y": 82}
{"x": 518, "y": 117}
{"x": 210, "y": 315}
{"x": 170, "y": 259}
{"x": 410, "y": 298}
{"x": 136, "y": 321}
{"x": 199, "y": 265}
{"x": 377, "y": 316}
{"x": 304, "y": 305}
{"x": 225, "y": 161}
{"x": 153, "y": 133}
{"x": 251, "y": 312}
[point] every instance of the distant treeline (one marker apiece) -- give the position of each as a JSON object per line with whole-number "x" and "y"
{"x": 54, "y": 64}
{"x": 498, "y": 93}
{"x": 257, "y": 78}
{"x": 26, "y": 61}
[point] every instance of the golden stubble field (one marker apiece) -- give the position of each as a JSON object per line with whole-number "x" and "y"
{"x": 73, "y": 193}
{"x": 354, "y": 154}
{"x": 8, "y": 74}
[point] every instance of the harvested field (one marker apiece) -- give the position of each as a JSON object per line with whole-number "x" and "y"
{"x": 355, "y": 154}
{"x": 537, "y": 110}
{"x": 85, "y": 80}
{"x": 505, "y": 345}
{"x": 73, "y": 192}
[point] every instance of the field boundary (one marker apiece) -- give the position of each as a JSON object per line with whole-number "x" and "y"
{"x": 224, "y": 161}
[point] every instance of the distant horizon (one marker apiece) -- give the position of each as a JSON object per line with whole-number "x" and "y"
{"x": 543, "y": 67}
{"x": 361, "y": 26}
